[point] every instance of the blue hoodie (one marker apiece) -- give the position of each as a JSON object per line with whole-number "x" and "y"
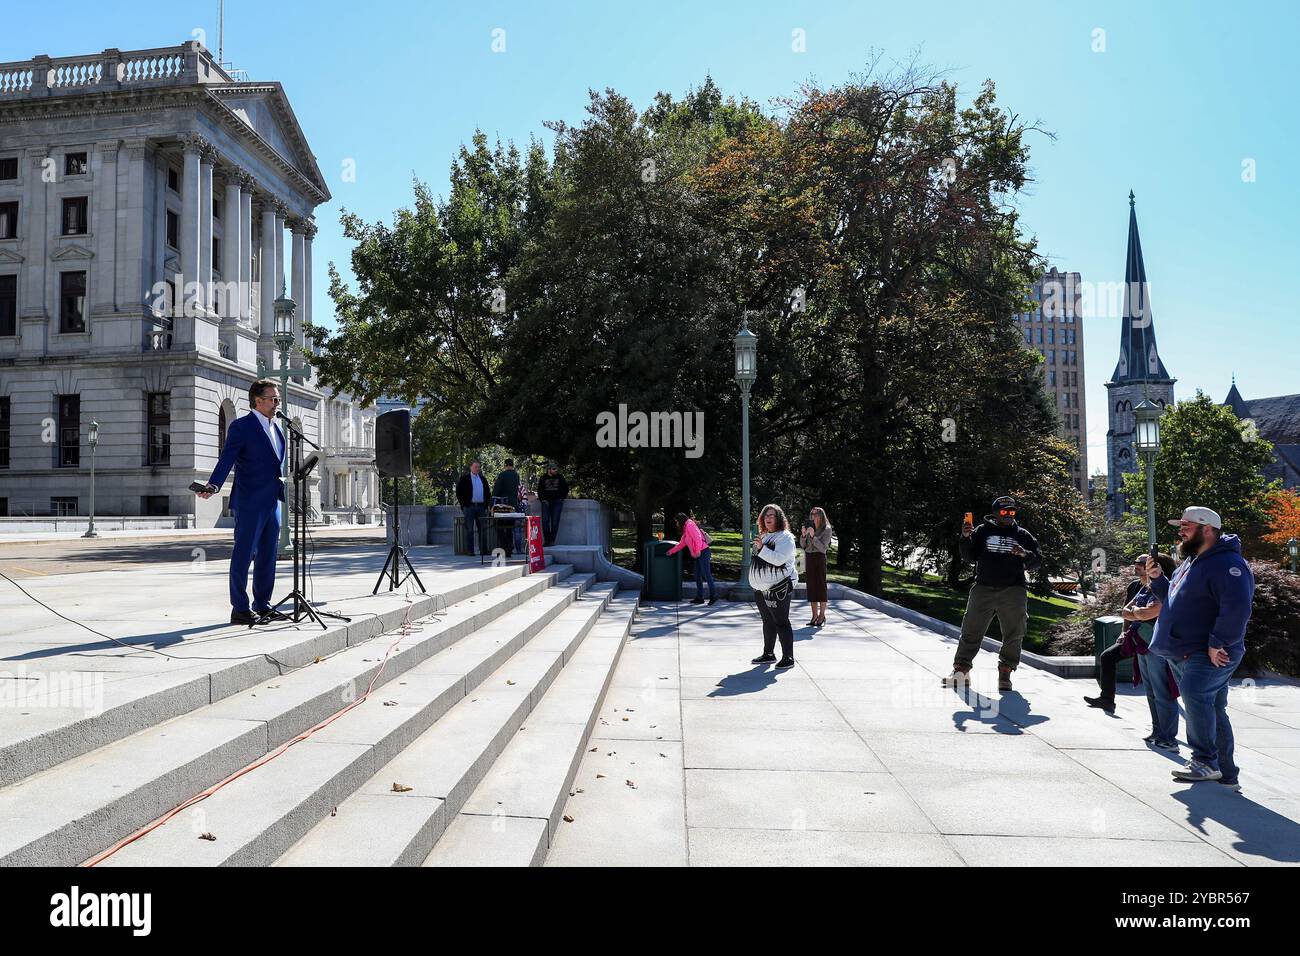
{"x": 1206, "y": 603}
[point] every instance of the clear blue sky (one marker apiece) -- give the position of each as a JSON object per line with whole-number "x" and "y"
{"x": 1181, "y": 95}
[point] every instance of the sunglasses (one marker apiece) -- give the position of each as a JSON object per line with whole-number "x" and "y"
{"x": 1004, "y": 512}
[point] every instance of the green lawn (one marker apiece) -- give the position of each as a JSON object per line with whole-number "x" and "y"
{"x": 930, "y": 596}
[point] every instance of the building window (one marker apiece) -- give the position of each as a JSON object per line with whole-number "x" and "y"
{"x": 222, "y": 425}
{"x": 216, "y": 254}
{"x": 8, "y": 220}
{"x": 1051, "y": 356}
{"x": 216, "y": 208}
{"x": 1051, "y": 376}
{"x": 160, "y": 428}
{"x": 173, "y": 179}
{"x": 8, "y": 305}
{"x": 9, "y": 167}
{"x": 74, "y": 216}
{"x": 1051, "y": 336}
{"x": 63, "y": 507}
{"x": 4, "y": 431}
{"x": 75, "y": 164}
{"x": 1029, "y": 336}
{"x": 4, "y": 507}
{"x": 156, "y": 505}
{"x": 173, "y": 230}
{"x": 72, "y": 302}
{"x": 1076, "y": 422}
{"x": 69, "y": 431}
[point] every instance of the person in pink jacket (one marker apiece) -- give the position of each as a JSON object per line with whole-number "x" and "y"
{"x": 694, "y": 541}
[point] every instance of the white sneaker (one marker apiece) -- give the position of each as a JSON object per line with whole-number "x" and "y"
{"x": 1195, "y": 771}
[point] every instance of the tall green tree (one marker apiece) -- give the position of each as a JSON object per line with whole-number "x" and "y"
{"x": 1207, "y": 457}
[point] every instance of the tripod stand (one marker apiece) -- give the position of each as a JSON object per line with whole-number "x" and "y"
{"x": 397, "y": 554}
{"x": 301, "y": 606}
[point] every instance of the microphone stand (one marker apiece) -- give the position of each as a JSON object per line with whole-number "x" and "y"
{"x": 301, "y": 606}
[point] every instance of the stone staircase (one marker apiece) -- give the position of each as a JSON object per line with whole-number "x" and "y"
{"x": 479, "y": 711}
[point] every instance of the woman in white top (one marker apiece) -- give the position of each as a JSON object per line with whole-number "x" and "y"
{"x": 772, "y": 575}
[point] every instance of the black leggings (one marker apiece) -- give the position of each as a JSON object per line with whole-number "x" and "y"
{"x": 776, "y": 623}
{"x": 1107, "y": 663}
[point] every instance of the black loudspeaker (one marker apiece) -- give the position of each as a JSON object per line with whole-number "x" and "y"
{"x": 393, "y": 443}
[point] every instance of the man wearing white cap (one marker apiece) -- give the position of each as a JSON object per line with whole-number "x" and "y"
{"x": 1202, "y": 631}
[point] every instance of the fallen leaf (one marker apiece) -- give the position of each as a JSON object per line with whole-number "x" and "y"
{"x": 580, "y": 790}
{"x": 593, "y": 750}
{"x": 401, "y": 788}
{"x": 599, "y": 776}
{"x": 625, "y": 718}
{"x": 390, "y": 703}
{"x": 568, "y": 819}
{"x": 334, "y": 812}
{"x": 630, "y": 784}
{"x": 663, "y": 755}
{"x": 510, "y": 682}
{"x": 631, "y": 710}
{"x": 206, "y": 836}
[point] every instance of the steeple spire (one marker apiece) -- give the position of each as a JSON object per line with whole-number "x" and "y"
{"x": 1139, "y": 360}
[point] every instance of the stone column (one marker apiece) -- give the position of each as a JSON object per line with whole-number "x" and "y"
{"x": 134, "y": 274}
{"x": 35, "y": 235}
{"x": 103, "y": 272}
{"x": 308, "y": 235}
{"x": 266, "y": 285}
{"x": 232, "y": 231}
{"x": 158, "y": 272}
{"x": 207, "y": 162}
{"x": 299, "y": 277}
{"x": 191, "y": 191}
{"x": 245, "y": 249}
{"x": 281, "y": 218}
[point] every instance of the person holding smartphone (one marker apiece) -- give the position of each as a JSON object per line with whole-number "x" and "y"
{"x": 1002, "y": 552}
{"x": 772, "y": 576}
{"x": 815, "y": 541}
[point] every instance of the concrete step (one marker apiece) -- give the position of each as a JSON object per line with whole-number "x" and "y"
{"x": 45, "y": 737}
{"x": 511, "y": 817}
{"x": 380, "y": 827}
{"x": 68, "y": 813}
{"x": 259, "y": 816}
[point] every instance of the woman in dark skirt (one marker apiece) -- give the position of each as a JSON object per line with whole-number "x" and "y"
{"x": 816, "y": 540}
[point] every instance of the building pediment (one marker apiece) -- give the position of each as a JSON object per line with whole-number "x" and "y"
{"x": 8, "y": 258}
{"x": 264, "y": 108}
{"x": 72, "y": 251}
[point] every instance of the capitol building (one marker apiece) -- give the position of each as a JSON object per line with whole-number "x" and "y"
{"x": 153, "y": 207}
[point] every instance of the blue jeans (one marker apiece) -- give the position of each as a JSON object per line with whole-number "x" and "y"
{"x": 551, "y": 520}
{"x": 473, "y": 515}
{"x": 1164, "y": 707}
{"x": 704, "y": 572}
{"x": 1205, "y": 700}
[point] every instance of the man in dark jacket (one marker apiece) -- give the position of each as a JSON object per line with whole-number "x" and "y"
{"x": 1002, "y": 551}
{"x": 552, "y": 489}
{"x": 1202, "y": 631}
{"x": 473, "y": 494}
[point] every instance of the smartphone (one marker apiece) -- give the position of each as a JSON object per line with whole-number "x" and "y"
{"x": 199, "y": 486}
{"x": 969, "y": 519}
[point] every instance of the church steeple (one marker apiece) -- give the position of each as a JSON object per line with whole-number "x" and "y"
{"x": 1139, "y": 360}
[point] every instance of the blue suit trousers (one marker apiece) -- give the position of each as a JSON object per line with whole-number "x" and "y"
{"x": 257, "y": 540}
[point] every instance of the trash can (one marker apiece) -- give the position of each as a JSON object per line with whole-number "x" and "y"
{"x": 663, "y": 572}
{"x": 1105, "y": 632}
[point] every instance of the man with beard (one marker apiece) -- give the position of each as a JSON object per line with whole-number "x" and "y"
{"x": 1002, "y": 551}
{"x": 1202, "y": 631}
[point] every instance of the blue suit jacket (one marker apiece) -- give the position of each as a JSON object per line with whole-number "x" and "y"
{"x": 257, "y": 484}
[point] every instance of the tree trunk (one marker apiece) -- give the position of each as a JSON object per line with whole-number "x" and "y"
{"x": 954, "y": 566}
{"x": 870, "y": 558}
{"x": 644, "y": 518}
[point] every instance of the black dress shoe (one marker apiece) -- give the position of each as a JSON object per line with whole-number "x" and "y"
{"x": 785, "y": 662}
{"x": 1105, "y": 703}
{"x": 764, "y": 659}
{"x": 712, "y": 601}
{"x": 243, "y": 617}
{"x": 697, "y": 600}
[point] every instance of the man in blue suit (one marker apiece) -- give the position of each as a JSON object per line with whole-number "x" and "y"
{"x": 255, "y": 445}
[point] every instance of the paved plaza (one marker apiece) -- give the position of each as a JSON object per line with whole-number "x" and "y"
{"x": 858, "y": 756}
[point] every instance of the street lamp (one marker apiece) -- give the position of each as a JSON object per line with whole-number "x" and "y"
{"x": 1146, "y": 419}
{"x": 1293, "y": 549}
{"x": 746, "y": 374}
{"x": 93, "y": 438}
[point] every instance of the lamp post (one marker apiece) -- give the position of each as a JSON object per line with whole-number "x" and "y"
{"x": 285, "y": 308}
{"x": 1293, "y": 549}
{"x": 1146, "y": 419}
{"x": 93, "y": 438}
{"x": 746, "y": 343}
